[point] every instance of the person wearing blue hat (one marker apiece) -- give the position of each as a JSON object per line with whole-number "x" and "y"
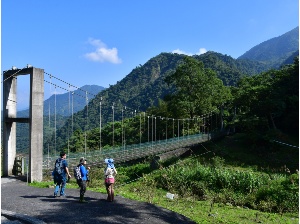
{"x": 110, "y": 172}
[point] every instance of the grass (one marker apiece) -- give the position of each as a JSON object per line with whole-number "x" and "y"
{"x": 198, "y": 211}
{"x": 237, "y": 157}
{"x": 205, "y": 211}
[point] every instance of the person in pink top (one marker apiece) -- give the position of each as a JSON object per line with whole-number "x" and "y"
{"x": 109, "y": 173}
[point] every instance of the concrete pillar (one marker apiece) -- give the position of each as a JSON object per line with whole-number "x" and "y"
{"x": 9, "y": 127}
{"x": 36, "y": 125}
{"x": 35, "y": 121}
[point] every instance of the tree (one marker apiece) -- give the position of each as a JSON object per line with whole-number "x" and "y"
{"x": 77, "y": 141}
{"x": 198, "y": 90}
{"x": 268, "y": 99}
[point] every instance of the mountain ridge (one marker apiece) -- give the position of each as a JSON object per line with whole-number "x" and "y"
{"x": 275, "y": 51}
{"x": 62, "y": 106}
{"x": 144, "y": 86}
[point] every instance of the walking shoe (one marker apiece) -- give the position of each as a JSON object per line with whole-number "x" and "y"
{"x": 83, "y": 201}
{"x": 63, "y": 195}
{"x": 55, "y": 195}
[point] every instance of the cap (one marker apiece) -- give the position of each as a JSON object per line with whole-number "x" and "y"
{"x": 109, "y": 162}
{"x": 82, "y": 159}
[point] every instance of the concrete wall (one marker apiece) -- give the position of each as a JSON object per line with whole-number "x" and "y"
{"x": 35, "y": 121}
{"x": 36, "y": 125}
{"x": 9, "y": 128}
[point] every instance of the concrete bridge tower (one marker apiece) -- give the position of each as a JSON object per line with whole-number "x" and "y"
{"x": 35, "y": 121}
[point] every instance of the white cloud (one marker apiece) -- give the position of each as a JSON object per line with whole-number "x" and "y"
{"x": 178, "y": 51}
{"x": 102, "y": 53}
{"x": 57, "y": 92}
{"x": 201, "y": 51}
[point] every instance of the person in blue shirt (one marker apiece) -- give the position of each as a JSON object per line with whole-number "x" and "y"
{"x": 61, "y": 174}
{"x": 84, "y": 178}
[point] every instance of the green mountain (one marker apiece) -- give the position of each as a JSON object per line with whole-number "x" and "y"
{"x": 230, "y": 70}
{"x": 144, "y": 86}
{"x": 276, "y": 51}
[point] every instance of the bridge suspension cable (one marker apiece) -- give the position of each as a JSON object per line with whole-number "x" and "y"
{"x": 17, "y": 71}
{"x": 185, "y": 126}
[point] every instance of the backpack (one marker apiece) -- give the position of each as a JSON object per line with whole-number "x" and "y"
{"x": 58, "y": 166}
{"x": 77, "y": 172}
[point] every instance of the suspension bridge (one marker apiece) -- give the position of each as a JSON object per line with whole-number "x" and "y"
{"x": 154, "y": 134}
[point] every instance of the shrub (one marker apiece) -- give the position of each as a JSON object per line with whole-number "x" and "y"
{"x": 146, "y": 188}
{"x": 282, "y": 195}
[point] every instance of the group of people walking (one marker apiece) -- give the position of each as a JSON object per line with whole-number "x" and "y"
{"x": 61, "y": 174}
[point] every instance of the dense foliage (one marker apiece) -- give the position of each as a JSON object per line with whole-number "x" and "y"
{"x": 258, "y": 104}
{"x": 230, "y": 183}
{"x": 144, "y": 87}
{"x": 269, "y": 100}
{"x": 197, "y": 89}
{"x": 248, "y": 98}
{"x": 256, "y": 190}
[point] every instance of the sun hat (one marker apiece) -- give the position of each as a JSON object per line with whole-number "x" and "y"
{"x": 109, "y": 162}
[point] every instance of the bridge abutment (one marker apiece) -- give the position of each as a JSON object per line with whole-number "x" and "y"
{"x": 35, "y": 120}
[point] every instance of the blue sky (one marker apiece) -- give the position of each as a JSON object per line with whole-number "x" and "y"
{"x": 100, "y": 42}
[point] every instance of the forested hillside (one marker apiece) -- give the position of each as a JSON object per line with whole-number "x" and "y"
{"x": 145, "y": 85}
{"x": 228, "y": 69}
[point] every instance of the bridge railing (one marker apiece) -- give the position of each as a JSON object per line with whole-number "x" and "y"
{"x": 128, "y": 152}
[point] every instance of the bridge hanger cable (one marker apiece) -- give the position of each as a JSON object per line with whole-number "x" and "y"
{"x": 123, "y": 107}
{"x": 126, "y": 108}
{"x": 72, "y": 114}
{"x": 70, "y": 85}
{"x": 49, "y": 111}
{"x": 86, "y": 124}
{"x": 55, "y": 120}
{"x": 69, "y": 124}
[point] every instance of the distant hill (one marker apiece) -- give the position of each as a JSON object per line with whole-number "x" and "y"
{"x": 63, "y": 101}
{"x": 63, "y": 110}
{"x": 290, "y": 60}
{"x": 276, "y": 51}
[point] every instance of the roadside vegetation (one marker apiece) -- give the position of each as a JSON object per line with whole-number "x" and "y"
{"x": 248, "y": 176}
{"x": 220, "y": 182}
